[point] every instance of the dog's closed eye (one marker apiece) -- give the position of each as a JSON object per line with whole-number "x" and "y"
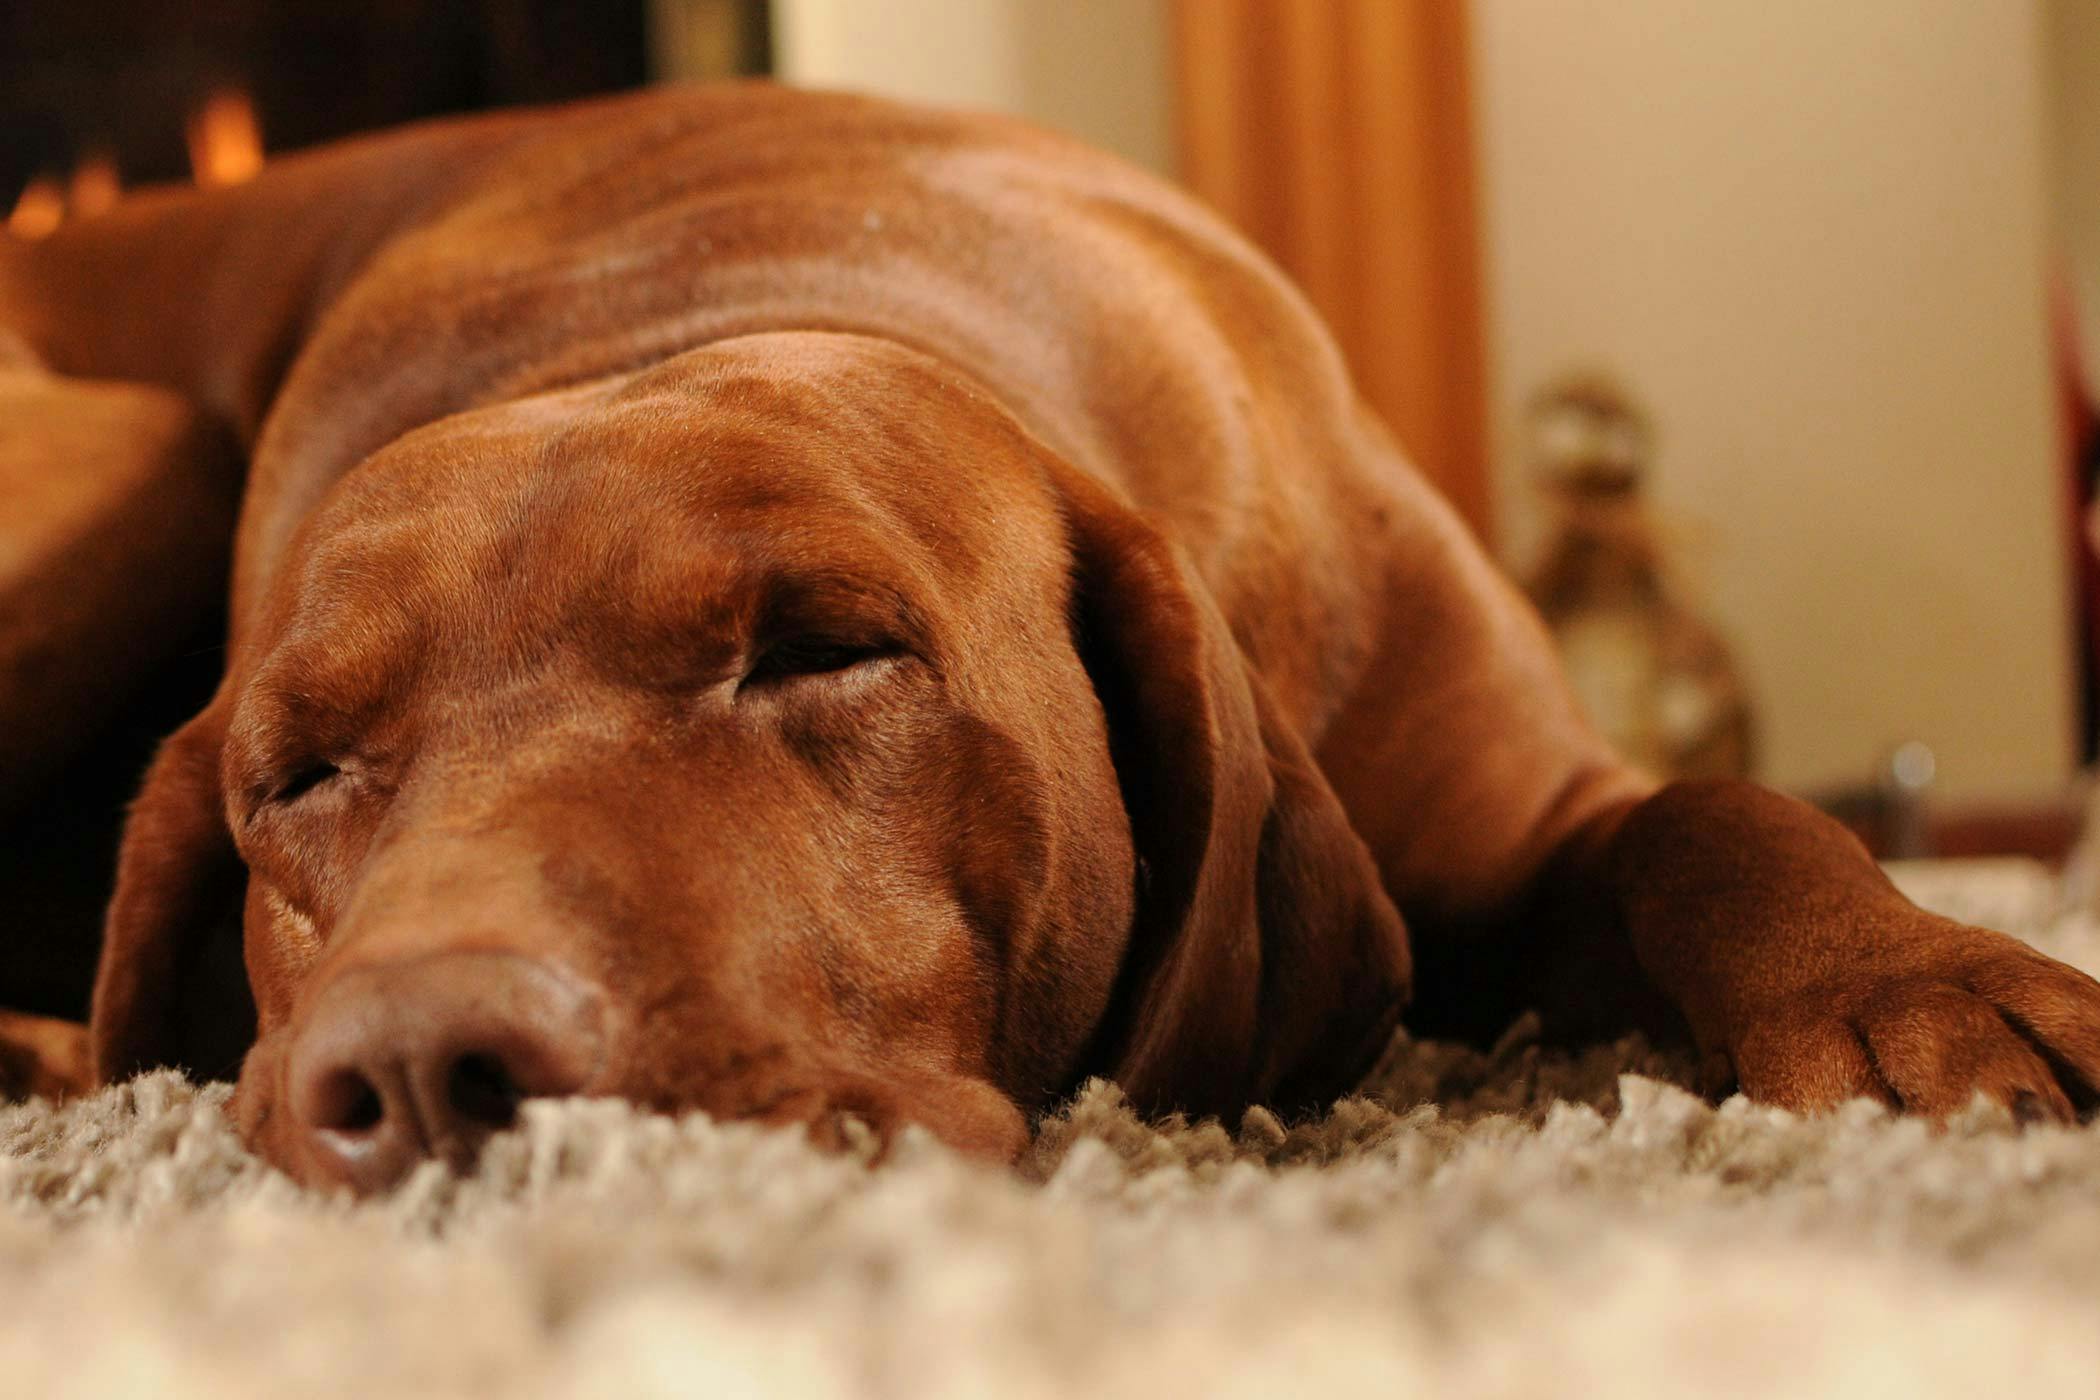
{"x": 795, "y": 658}
{"x": 303, "y": 780}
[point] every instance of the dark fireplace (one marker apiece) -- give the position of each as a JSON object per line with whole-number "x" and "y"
{"x": 98, "y": 95}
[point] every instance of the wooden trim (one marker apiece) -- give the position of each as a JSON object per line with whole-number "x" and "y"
{"x": 1339, "y": 135}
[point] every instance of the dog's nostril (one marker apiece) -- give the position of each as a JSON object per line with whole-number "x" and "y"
{"x": 366, "y": 1111}
{"x": 482, "y": 1091}
{"x": 350, "y": 1103}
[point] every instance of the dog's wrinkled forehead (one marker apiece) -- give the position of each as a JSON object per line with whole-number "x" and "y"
{"x": 764, "y": 482}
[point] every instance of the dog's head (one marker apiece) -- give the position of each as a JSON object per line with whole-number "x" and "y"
{"x": 783, "y": 732}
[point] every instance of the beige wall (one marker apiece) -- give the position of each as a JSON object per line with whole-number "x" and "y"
{"x": 1811, "y": 234}
{"x": 1096, "y": 68}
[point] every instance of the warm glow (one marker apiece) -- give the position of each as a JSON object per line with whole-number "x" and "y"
{"x": 94, "y": 186}
{"x": 41, "y": 209}
{"x": 225, "y": 139}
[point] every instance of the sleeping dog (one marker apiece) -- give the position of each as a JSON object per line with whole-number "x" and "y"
{"x": 809, "y": 608}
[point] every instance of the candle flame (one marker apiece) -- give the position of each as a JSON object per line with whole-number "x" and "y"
{"x": 225, "y": 139}
{"x": 40, "y": 210}
{"x": 94, "y": 187}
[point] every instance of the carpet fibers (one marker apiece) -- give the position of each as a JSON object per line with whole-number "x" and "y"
{"x": 1512, "y": 1224}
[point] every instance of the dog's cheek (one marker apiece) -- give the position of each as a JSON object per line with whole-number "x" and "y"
{"x": 1008, "y": 876}
{"x": 998, "y": 834}
{"x": 310, "y": 858}
{"x": 280, "y": 945}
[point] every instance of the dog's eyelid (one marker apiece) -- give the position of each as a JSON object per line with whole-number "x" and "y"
{"x": 815, "y": 654}
{"x": 304, "y": 780}
{"x": 292, "y": 782}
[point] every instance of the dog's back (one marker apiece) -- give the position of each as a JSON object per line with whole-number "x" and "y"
{"x": 353, "y": 294}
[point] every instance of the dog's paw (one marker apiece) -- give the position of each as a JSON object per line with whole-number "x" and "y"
{"x": 1978, "y": 1012}
{"x": 42, "y": 1057}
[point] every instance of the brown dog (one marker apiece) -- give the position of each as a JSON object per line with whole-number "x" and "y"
{"x": 804, "y": 607}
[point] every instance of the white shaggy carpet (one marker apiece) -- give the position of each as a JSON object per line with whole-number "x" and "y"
{"x": 1551, "y": 1228}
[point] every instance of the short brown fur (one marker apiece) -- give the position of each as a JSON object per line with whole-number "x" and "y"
{"x": 576, "y": 439}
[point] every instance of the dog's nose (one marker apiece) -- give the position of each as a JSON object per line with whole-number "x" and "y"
{"x": 427, "y": 1058}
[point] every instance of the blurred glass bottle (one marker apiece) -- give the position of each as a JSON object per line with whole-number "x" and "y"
{"x": 1655, "y": 679}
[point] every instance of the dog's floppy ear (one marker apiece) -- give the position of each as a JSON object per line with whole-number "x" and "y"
{"x": 171, "y": 988}
{"x": 1265, "y": 961}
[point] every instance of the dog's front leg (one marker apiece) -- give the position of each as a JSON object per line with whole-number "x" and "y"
{"x": 1801, "y": 969}
{"x": 120, "y": 505}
